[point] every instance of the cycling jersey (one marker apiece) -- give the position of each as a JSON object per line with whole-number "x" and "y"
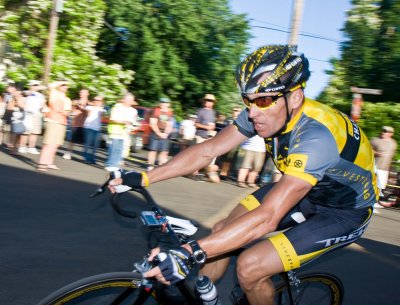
{"x": 328, "y": 150}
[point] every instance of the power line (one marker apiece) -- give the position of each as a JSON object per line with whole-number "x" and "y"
{"x": 301, "y": 34}
{"x": 307, "y": 34}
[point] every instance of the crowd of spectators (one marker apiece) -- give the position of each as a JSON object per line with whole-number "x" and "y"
{"x": 65, "y": 124}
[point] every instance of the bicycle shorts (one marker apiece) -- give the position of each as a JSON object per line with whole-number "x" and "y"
{"x": 312, "y": 229}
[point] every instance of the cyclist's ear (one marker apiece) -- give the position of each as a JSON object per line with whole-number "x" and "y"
{"x": 296, "y": 98}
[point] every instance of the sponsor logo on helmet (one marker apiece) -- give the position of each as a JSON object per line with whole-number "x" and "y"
{"x": 274, "y": 89}
{"x": 293, "y": 63}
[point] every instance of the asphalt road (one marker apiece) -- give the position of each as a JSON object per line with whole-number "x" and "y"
{"x": 51, "y": 233}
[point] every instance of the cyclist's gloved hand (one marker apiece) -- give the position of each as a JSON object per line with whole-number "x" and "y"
{"x": 116, "y": 181}
{"x": 123, "y": 181}
{"x": 175, "y": 264}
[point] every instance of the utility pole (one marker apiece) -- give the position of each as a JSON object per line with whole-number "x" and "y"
{"x": 297, "y": 11}
{"x": 54, "y": 18}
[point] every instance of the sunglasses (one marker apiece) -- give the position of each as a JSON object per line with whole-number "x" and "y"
{"x": 262, "y": 102}
{"x": 265, "y": 102}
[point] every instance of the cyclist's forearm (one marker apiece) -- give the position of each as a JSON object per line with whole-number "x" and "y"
{"x": 247, "y": 228}
{"x": 186, "y": 162}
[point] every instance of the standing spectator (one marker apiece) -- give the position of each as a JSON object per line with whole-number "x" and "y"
{"x": 17, "y": 120}
{"x": 8, "y": 99}
{"x": 122, "y": 117}
{"x": 92, "y": 129}
{"x": 34, "y": 105}
{"x": 228, "y": 160}
{"x": 205, "y": 129}
{"x": 3, "y": 107}
{"x": 220, "y": 122}
{"x": 206, "y": 117}
{"x": 128, "y": 135}
{"x": 187, "y": 131}
{"x": 161, "y": 127}
{"x": 253, "y": 161}
{"x": 59, "y": 108}
{"x": 76, "y": 120}
{"x": 384, "y": 149}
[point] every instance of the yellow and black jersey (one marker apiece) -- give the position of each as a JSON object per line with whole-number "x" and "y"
{"x": 327, "y": 149}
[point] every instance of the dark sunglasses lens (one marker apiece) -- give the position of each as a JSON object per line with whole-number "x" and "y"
{"x": 264, "y": 101}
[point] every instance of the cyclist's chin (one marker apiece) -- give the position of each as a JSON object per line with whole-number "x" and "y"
{"x": 264, "y": 133}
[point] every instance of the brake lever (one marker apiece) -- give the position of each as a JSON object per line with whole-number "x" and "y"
{"x": 102, "y": 188}
{"x": 142, "y": 267}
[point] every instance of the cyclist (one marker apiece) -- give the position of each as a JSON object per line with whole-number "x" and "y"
{"x": 325, "y": 195}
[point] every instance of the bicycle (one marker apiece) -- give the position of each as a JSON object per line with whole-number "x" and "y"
{"x": 131, "y": 288}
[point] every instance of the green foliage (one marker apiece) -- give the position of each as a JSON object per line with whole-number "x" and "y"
{"x": 370, "y": 59}
{"x": 25, "y": 31}
{"x": 179, "y": 48}
{"x": 370, "y": 54}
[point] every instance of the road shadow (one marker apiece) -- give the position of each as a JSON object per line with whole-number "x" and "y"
{"x": 51, "y": 234}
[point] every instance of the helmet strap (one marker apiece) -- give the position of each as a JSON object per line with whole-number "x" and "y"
{"x": 288, "y": 118}
{"x": 288, "y": 115}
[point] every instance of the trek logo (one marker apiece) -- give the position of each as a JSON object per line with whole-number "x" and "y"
{"x": 336, "y": 240}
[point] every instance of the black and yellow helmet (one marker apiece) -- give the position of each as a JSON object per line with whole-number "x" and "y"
{"x": 275, "y": 68}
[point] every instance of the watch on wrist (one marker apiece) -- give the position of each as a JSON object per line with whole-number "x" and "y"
{"x": 199, "y": 255}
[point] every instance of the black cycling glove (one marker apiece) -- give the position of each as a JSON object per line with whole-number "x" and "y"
{"x": 175, "y": 264}
{"x": 129, "y": 180}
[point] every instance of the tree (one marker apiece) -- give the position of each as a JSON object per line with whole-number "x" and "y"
{"x": 25, "y": 31}
{"x": 178, "y": 48}
{"x": 371, "y": 54}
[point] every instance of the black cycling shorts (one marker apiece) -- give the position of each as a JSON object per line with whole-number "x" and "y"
{"x": 312, "y": 229}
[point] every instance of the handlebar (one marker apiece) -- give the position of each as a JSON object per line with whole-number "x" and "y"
{"x": 115, "y": 203}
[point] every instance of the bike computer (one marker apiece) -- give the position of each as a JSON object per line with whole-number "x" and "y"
{"x": 150, "y": 219}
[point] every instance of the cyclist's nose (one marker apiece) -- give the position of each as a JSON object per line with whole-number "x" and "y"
{"x": 253, "y": 111}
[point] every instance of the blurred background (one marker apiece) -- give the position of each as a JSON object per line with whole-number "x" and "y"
{"x": 186, "y": 48}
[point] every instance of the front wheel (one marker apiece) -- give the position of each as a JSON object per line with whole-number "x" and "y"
{"x": 117, "y": 288}
{"x": 321, "y": 289}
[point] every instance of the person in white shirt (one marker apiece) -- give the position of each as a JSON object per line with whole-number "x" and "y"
{"x": 187, "y": 131}
{"x": 92, "y": 129}
{"x": 33, "y": 111}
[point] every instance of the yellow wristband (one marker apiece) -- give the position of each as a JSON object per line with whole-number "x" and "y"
{"x": 145, "y": 179}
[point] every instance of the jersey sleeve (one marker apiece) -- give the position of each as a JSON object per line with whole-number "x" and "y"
{"x": 244, "y": 124}
{"x": 311, "y": 153}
